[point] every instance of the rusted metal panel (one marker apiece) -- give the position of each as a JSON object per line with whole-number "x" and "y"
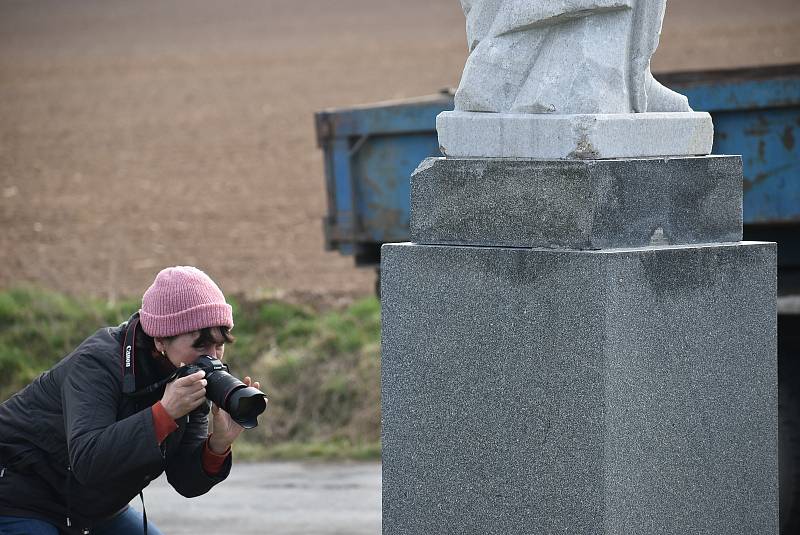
{"x": 386, "y": 118}
{"x": 739, "y": 89}
{"x": 756, "y": 114}
{"x": 370, "y": 153}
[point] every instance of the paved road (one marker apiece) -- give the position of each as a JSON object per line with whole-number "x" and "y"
{"x": 275, "y": 499}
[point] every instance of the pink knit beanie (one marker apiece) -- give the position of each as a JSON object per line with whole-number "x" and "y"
{"x": 183, "y": 299}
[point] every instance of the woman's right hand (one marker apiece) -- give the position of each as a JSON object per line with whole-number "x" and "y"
{"x": 185, "y": 394}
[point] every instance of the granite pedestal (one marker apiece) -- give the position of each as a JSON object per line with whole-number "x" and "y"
{"x": 576, "y": 204}
{"x": 528, "y": 391}
{"x": 565, "y": 389}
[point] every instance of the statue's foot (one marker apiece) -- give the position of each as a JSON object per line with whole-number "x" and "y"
{"x": 663, "y": 99}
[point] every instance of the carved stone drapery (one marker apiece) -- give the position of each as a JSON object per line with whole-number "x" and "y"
{"x": 563, "y": 57}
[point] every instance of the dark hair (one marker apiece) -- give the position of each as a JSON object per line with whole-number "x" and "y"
{"x": 207, "y": 337}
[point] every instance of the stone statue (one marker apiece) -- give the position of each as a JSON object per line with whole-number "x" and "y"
{"x": 563, "y": 57}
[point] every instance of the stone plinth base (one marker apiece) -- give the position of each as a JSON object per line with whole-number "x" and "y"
{"x": 626, "y": 391}
{"x": 592, "y": 137}
{"x": 592, "y": 204}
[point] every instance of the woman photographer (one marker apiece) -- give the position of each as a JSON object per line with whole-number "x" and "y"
{"x": 85, "y": 437}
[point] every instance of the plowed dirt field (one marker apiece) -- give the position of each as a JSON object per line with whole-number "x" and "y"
{"x": 135, "y": 135}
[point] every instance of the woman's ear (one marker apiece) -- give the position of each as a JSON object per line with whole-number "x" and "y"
{"x": 160, "y": 345}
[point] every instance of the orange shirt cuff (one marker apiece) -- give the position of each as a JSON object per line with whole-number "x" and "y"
{"x": 162, "y": 422}
{"x": 212, "y": 463}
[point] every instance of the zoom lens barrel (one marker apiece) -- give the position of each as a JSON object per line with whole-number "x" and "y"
{"x": 244, "y": 403}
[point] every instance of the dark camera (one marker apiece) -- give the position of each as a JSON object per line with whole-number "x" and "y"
{"x": 244, "y": 403}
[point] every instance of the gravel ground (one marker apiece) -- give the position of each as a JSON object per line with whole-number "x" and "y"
{"x": 135, "y": 135}
{"x": 275, "y": 498}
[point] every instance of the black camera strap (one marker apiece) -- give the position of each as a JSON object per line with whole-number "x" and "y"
{"x": 129, "y": 366}
{"x": 129, "y": 358}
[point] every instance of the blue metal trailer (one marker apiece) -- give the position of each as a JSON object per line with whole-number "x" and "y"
{"x": 371, "y": 151}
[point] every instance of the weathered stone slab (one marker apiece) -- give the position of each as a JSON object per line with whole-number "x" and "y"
{"x": 601, "y": 136}
{"x": 626, "y": 391}
{"x": 592, "y": 204}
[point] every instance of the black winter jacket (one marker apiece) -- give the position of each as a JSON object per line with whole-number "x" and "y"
{"x": 74, "y": 449}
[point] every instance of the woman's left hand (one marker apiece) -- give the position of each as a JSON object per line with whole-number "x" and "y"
{"x": 226, "y": 430}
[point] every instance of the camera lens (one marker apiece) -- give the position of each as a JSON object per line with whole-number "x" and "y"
{"x": 245, "y": 404}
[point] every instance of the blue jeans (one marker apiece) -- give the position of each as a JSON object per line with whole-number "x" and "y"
{"x": 128, "y": 522}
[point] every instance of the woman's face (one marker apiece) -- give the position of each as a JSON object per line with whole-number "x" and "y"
{"x": 185, "y": 348}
